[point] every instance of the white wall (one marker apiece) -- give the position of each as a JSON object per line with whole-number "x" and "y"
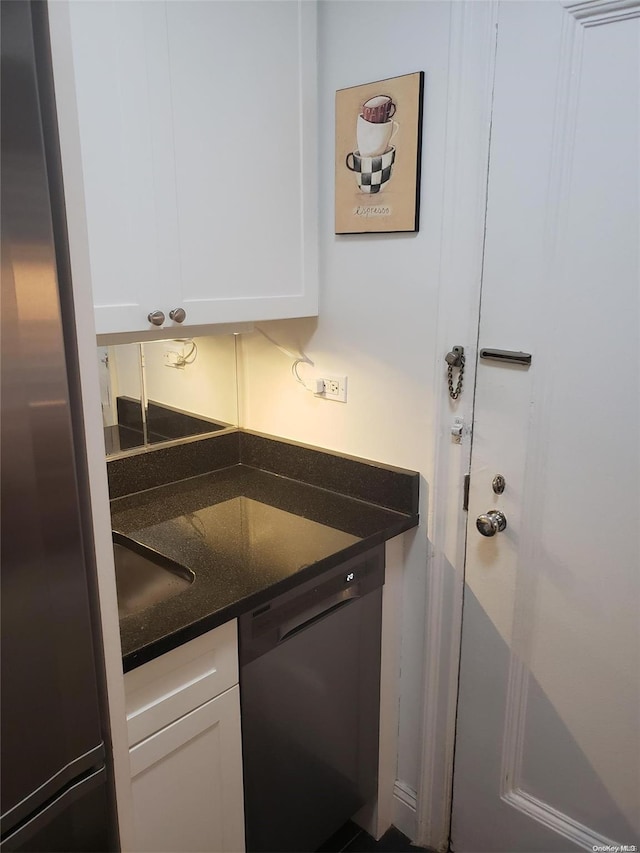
{"x": 378, "y": 308}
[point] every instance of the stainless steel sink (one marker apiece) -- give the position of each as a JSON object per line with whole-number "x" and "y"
{"x": 144, "y": 577}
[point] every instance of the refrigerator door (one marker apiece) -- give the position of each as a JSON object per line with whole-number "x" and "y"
{"x": 73, "y": 822}
{"x": 50, "y": 727}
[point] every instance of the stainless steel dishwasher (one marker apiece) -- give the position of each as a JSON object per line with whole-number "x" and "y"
{"x": 310, "y": 699}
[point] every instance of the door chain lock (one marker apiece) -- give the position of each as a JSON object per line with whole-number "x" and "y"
{"x": 455, "y": 358}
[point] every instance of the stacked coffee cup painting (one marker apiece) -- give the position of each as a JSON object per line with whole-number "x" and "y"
{"x": 372, "y": 161}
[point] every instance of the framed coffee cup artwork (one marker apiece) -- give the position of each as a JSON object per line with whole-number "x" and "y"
{"x": 378, "y": 142}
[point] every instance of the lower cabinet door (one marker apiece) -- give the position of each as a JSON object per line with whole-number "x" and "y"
{"x": 187, "y": 782}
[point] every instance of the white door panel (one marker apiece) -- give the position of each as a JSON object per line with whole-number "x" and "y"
{"x": 187, "y": 782}
{"x": 548, "y": 742}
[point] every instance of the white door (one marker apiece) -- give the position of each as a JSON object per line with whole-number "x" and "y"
{"x": 547, "y": 750}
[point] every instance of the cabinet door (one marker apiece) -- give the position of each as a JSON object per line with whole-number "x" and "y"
{"x": 112, "y": 94}
{"x": 188, "y": 135}
{"x": 243, "y": 93}
{"x": 187, "y": 782}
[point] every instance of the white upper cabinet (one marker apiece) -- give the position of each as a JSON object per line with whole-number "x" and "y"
{"x": 188, "y": 134}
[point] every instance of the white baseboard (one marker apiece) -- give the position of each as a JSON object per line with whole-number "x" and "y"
{"x": 404, "y": 809}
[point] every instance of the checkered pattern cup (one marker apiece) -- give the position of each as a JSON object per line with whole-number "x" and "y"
{"x": 372, "y": 173}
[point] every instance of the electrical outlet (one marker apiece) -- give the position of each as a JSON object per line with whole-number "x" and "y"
{"x": 332, "y": 388}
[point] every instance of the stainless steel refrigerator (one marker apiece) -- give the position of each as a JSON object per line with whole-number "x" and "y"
{"x": 55, "y": 781}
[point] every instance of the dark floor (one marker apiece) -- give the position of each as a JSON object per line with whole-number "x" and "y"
{"x": 355, "y": 840}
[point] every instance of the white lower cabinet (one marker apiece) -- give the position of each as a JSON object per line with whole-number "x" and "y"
{"x": 183, "y": 717}
{"x": 187, "y": 782}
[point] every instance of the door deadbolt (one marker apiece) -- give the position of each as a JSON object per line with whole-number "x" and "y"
{"x": 498, "y": 484}
{"x": 491, "y": 522}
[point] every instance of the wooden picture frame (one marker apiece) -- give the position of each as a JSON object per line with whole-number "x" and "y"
{"x": 377, "y": 164}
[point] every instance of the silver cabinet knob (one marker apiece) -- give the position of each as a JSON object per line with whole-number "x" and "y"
{"x": 156, "y": 318}
{"x": 491, "y": 523}
{"x": 177, "y": 315}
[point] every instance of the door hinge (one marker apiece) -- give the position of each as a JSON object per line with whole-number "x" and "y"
{"x": 465, "y": 492}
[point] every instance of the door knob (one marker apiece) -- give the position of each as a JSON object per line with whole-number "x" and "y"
{"x": 177, "y": 315}
{"x": 156, "y": 318}
{"x": 491, "y": 523}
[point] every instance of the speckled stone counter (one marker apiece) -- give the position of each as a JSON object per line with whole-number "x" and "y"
{"x": 249, "y": 534}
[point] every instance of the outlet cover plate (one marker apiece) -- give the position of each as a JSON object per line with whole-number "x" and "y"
{"x": 335, "y": 388}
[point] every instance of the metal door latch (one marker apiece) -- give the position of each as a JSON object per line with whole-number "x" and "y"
{"x": 455, "y": 357}
{"x": 457, "y": 428}
{"x": 506, "y": 355}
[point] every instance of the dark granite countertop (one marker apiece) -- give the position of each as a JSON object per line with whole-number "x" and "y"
{"x": 249, "y": 534}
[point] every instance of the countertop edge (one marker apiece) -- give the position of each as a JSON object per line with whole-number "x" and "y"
{"x": 160, "y": 646}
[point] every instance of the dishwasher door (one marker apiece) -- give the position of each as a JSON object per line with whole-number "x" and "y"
{"x": 310, "y": 698}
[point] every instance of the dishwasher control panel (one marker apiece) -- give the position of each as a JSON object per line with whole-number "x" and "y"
{"x": 292, "y": 611}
